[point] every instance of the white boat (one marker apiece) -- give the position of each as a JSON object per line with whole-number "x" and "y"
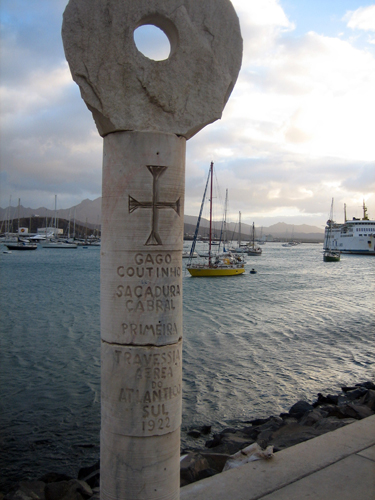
{"x": 54, "y": 242}
{"x": 356, "y": 236}
{"x": 253, "y": 249}
{"x": 58, "y": 244}
{"x": 250, "y": 248}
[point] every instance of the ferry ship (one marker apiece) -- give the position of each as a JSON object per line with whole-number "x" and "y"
{"x": 356, "y": 236}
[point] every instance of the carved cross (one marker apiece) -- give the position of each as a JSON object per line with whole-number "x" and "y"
{"x": 155, "y": 205}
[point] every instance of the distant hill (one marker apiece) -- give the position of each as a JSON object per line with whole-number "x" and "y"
{"x": 90, "y": 211}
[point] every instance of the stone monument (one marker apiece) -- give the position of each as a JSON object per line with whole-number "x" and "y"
{"x": 146, "y": 110}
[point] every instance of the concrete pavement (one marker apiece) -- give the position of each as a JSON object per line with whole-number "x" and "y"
{"x": 339, "y": 465}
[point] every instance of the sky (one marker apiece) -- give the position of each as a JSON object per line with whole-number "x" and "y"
{"x": 297, "y": 131}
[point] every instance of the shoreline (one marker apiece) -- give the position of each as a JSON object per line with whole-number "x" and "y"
{"x": 302, "y": 422}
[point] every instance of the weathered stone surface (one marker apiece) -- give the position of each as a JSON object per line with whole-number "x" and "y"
{"x": 332, "y": 423}
{"x": 127, "y": 91}
{"x": 216, "y": 460}
{"x": 369, "y": 399}
{"x": 54, "y": 477}
{"x": 313, "y": 416}
{"x": 142, "y": 238}
{"x": 356, "y": 393}
{"x": 229, "y": 442}
{"x": 91, "y": 475}
{"x": 291, "y": 434}
{"x": 190, "y": 467}
{"x": 68, "y": 490}
{"x": 300, "y": 408}
{"x": 28, "y": 490}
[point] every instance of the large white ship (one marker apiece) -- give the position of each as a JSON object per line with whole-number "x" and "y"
{"x": 356, "y": 236}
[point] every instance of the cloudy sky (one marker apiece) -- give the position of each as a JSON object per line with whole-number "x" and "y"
{"x": 298, "y": 129}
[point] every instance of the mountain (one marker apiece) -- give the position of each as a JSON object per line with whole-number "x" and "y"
{"x": 90, "y": 211}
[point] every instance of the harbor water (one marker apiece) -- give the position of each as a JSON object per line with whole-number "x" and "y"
{"x": 254, "y": 344}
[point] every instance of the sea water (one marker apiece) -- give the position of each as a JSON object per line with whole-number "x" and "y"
{"x": 253, "y": 345}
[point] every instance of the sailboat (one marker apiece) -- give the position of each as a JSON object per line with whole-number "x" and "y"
{"x": 22, "y": 243}
{"x": 330, "y": 255}
{"x": 55, "y": 242}
{"x": 218, "y": 265}
{"x": 252, "y": 248}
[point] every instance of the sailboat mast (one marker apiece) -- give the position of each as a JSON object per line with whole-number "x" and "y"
{"x": 225, "y": 219}
{"x": 210, "y": 235}
{"x": 19, "y": 206}
{"x": 56, "y": 216}
{"x": 239, "y": 230}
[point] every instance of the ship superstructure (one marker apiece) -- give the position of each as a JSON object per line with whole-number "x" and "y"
{"x": 356, "y": 236}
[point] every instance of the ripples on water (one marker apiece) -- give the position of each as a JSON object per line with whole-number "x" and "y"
{"x": 253, "y": 345}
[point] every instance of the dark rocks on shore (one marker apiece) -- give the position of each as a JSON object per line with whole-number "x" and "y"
{"x": 303, "y": 421}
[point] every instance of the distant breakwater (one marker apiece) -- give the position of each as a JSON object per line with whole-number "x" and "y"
{"x": 302, "y": 422}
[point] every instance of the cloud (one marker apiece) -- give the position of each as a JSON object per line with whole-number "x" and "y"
{"x": 297, "y": 130}
{"x": 362, "y": 18}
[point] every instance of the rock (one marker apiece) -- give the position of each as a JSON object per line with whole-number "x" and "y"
{"x": 125, "y": 90}
{"x": 290, "y": 435}
{"x": 356, "y": 393}
{"x": 87, "y": 471}
{"x": 300, "y": 408}
{"x": 369, "y": 399}
{"x": 259, "y": 421}
{"x": 330, "y": 399}
{"x": 216, "y": 460}
{"x": 54, "y": 477}
{"x": 190, "y": 467}
{"x": 252, "y": 432}
{"x": 332, "y": 423}
{"x": 68, "y": 490}
{"x": 349, "y": 410}
{"x": 28, "y": 490}
{"x": 312, "y": 417}
{"x": 205, "y": 429}
{"x": 91, "y": 475}
{"x": 367, "y": 385}
{"x": 230, "y": 441}
{"x": 215, "y": 441}
{"x": 348, "y": 388}
{"x": 194, "y": 433}
{"x": 358, "y": 411}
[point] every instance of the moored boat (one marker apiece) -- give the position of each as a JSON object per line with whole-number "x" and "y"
{"x": 356, "y": 236}
{"x": 218, "y": 265}
{"x": 330, "y": 255}
{"x": 22, "y": 244}
{"x": 58, "y": 244}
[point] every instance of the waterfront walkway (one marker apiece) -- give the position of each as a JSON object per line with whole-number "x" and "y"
{"x": 339, "y": 465}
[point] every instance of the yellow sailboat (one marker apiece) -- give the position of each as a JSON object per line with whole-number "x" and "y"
{"x": 219, "y": 265}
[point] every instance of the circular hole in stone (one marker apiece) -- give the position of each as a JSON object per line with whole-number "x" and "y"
{"x": 152, "y": 42}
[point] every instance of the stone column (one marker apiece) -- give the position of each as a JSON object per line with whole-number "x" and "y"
{"x": 146, "y": 110}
